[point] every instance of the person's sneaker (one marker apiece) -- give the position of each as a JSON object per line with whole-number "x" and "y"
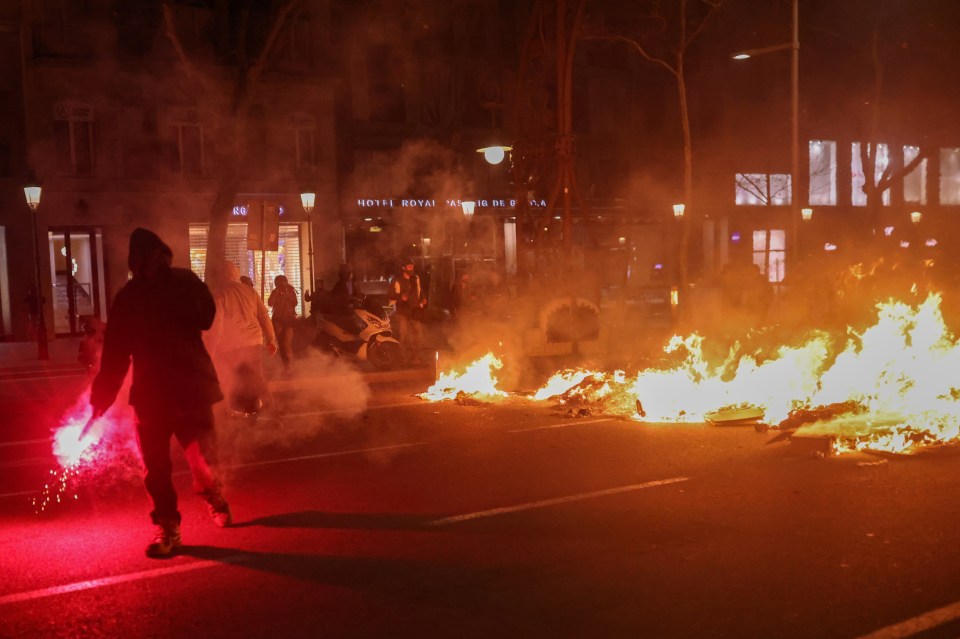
{"x": 166, "y": 541}
{"x": 221, "y": 514}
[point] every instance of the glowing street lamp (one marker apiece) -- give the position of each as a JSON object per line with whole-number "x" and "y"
{"x": 32, "y": 194}
{"x": 915, "y": 217}
{"x": 308, "y": 200}
{"x": 678, "y": 211}
{"x": 494, "y": 154}
{"x": 468, "y": 207}
{"x": 806, "y": 214}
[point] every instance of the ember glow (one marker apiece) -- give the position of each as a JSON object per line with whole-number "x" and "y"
{"x": 895, "y": 387}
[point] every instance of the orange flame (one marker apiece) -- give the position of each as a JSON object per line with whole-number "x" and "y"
{"x": 903, "y": 372}
{"x": 477, "y": 380}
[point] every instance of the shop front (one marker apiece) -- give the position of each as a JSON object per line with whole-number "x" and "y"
{"x": 291, "y": 257}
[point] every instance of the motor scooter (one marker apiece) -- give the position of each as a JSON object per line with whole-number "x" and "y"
{"x": 358, "y": 332}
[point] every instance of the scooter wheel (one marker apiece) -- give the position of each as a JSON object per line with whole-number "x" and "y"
{"x": 383, "y": 355}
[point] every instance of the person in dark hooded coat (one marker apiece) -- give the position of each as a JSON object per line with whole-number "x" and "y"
{"x": 156, "y": 322}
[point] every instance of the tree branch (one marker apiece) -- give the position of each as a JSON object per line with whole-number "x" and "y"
{"x": 189, "y": 69}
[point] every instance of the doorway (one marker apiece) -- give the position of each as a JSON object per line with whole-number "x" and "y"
{"x": 76, "y": 272}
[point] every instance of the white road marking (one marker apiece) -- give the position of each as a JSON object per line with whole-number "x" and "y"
{"x": 569, "y": 422}
{"x": 917, "y": 624}
{"x": 32, "y": 595}
{"x": 355, "y": 451}
{"x": 555, "y": 501}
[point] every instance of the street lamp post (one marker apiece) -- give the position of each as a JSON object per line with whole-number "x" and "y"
{"x": 794, "y": 47}
{"x": 32, "y": 194}
{"x": 678, "y": 210}
{"x": 307, "y": 200}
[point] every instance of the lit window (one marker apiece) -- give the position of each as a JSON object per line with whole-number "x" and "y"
{"x": 761, "y": 189}
{"x": 949, "y": 176}
{"x": 769, "y": 253}
{"x": 915, "y": 182}
{"x": 286, "y": 261}
{"x": 858, "y": 196}
{"x": 823, "y": 172}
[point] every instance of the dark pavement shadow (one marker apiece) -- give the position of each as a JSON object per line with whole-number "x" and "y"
{"x": 481, "y": 594}
{"x": 361, "y": 521}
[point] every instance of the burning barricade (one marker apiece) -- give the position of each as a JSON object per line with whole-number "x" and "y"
{"x": 893, "y": 387}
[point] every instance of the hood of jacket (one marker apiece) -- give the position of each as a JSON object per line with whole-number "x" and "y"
{"x": 229, "y": 272}
{"x": 148, "y": 254}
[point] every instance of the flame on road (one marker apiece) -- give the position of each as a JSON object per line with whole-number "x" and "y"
{"x": 902, "y": 374}
{"x": 477, "y": 380}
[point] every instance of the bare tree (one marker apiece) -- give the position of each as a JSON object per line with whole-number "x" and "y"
{"x": 875, "y": 185}
{"x": 664, "y": 39}
{"x": 226, "y": 99}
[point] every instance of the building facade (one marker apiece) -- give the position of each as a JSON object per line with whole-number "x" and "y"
{"x": 124, "y": 126}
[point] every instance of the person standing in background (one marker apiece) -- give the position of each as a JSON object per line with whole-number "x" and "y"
{"x": 407, "y": 293}
{"x": 283, "y": 300}
{"x": 240, "y": 332}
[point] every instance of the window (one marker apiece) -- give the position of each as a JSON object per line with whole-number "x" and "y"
{"x": 73, "y": 135}
{"x": 762, "y": 189}
{"x": 915, "y": 182}
{"x": 858, "y": 195}
{"x": 949, "y": 176}
{"x": 295, "y": 46}
{"x": 769, "y": 253}
{"x": 303, "y": 126}
{"x": 823, "y": 173}
{"x": 186, "y": 141}
{"x": 385, "y": 74}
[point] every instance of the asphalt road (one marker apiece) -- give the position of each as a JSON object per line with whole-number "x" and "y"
{"x": 440, "y": 520}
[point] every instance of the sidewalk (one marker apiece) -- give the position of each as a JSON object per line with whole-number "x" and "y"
{"x": 19, "y": 359}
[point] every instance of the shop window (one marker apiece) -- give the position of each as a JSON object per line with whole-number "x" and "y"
{"x": 762, "y": 189}
{"x": 949, "y": 176}
{"x": 915, "y": 182}
{"x": 880, "y": 163}
{"x": 823, "y": 173}
{"x": 286, "y": 261}
{"x": 769, "y": 253}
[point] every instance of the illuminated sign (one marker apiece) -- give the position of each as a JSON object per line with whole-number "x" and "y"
{"x": 241, "y": 211}
{"x": 405, "y": 203}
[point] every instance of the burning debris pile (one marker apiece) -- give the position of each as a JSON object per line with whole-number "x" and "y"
{"x": 893, "y": 387}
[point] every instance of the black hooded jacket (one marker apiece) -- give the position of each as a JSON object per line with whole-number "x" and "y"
{"x": 156, "y": 321}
